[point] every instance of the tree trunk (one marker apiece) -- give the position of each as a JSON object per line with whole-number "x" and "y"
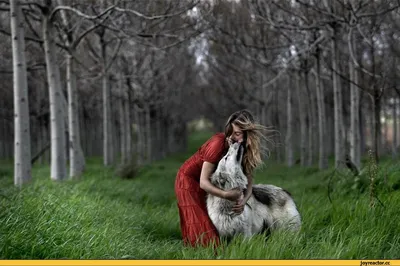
{"x": 394, "y": 128}
{"x": 107, "y": 119}
{"x": 122, "y": 120}
{"x": 2, "y": 131}
{"x": 338, "y": 105}
{"x": 128, "y": 123}
{"x": 303, "y": 122}
{"x": 148, "y": 134}
{"x": 322, "y": 158}
{"x": 377, "y": 124}
{"x": 139, "y": 136}
{"x": 76, "y": 157}
{"x": 58, "y": 154}
{"x": 277, "y": 123}
{"x": 398, "y": 124}
{"x": 107, "y": 123}
{"x": 159, "y": 135}
{"x": 384, "y": 127}
{"x": 311, "y": 121}
{"x": 22, "y": 145}
{"x": 289, "y": 129}
{"x": 355, "y": 147}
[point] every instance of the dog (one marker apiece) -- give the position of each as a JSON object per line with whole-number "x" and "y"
{"x": 268, "y": 208}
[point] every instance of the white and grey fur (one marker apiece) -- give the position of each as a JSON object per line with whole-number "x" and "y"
{"x": 268, "y": 208}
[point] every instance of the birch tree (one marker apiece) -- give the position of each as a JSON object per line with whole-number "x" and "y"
{"x": 355, "y": 147}
{"x": 289, "y": 127}
{"x": 338, "y": 102}
{"x": 76, "y": 157}
{"x": 302, "y": 119}
{"x": 57, "y": 116}
{"x": 22, "y": 145}
{"x": 319, "y": 86}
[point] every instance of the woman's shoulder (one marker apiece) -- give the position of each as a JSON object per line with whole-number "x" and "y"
{"x": 218, "y": 137}
{"x": 213, "y": 148}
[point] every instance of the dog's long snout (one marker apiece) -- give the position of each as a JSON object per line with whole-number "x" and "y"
{"x": 239, "y": 153}
{"x": 235, "y": 145}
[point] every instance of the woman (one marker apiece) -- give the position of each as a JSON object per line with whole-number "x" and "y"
{"x": 193, "y": 179}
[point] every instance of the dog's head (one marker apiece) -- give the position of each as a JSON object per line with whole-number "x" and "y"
{"x": 229, "y": 172}
{"x": 234, "y": 156}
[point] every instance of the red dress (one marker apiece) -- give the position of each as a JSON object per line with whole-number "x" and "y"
{"x": 196, "y": 226}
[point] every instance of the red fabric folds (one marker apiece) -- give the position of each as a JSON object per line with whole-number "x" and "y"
{"x": 196, "y": 226}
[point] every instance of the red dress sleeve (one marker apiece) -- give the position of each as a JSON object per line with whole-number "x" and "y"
{"x": 214, "y": 149}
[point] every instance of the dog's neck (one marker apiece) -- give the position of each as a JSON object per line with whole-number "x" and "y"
{"x": 232, "y": 179}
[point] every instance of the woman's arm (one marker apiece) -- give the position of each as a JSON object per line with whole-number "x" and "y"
{"x": 206, "y": 185}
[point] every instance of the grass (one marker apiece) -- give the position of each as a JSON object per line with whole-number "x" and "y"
{"x": 102, "y": 216}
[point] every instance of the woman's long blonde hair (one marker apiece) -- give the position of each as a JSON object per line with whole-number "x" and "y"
{"x": 254, "y": 138}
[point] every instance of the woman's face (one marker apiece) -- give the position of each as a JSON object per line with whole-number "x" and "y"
{"x": 237, "y": 134}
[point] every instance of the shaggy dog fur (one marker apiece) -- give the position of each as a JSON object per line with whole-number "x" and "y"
{"x": 268, "y": 208}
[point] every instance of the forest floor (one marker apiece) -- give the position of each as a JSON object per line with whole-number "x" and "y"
{"x": 102, "y": 216}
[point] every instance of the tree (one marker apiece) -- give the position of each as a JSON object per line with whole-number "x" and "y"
{"x": 22, "y": 140}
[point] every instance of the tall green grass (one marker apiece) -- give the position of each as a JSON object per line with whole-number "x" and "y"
{"x": 102, "y": 216}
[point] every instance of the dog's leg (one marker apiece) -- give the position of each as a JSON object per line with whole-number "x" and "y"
{"x": 248, "y": 226}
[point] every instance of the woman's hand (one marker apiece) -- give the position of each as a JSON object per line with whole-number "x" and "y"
{"x": 233, "y": 194}
{"x": 239, "y": 205}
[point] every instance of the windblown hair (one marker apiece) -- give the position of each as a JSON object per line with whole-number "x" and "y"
{"x": 254, "y": 138}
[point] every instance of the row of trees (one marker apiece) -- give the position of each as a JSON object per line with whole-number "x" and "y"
{"x": 111, "y": 44}
{"x": 131, "y": 74}
{"x": 325, "y": 69}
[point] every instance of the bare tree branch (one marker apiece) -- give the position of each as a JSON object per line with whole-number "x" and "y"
{"x": 79, "y": 13}
{"x": 349, "y": 42}
{"x": 136, "y": 13}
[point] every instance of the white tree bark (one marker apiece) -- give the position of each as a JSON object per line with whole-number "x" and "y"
{"x": 277, "y": 123}
{"x": 108, "y": 157}
{"x": 303, "y": 122}
{"x": 22, "y": 142}
{"x": 338, "y": 106}
{"x": 122, "y": 120}
{"x": 139, "y": 136}
{"x": 394, "y": 128}
{"x": 311, "y": 122}
{"x": 355, "y": 143}
{"x": 148, "y": 134}
{"x": 160, "y": 134}
{"x": 76, "y": 157}
{"x": 57, "y": 118}
{"x": 2, "y": 132}
{"x": 385, "y": 126}
{"x": 398, "y": 124}
{"x": 289, "y": 128}
{"x": 127, "y": 122}
{"x": 322, "y": 157}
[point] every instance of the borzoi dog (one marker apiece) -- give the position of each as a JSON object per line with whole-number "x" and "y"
{"x": 268, "y": 208}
